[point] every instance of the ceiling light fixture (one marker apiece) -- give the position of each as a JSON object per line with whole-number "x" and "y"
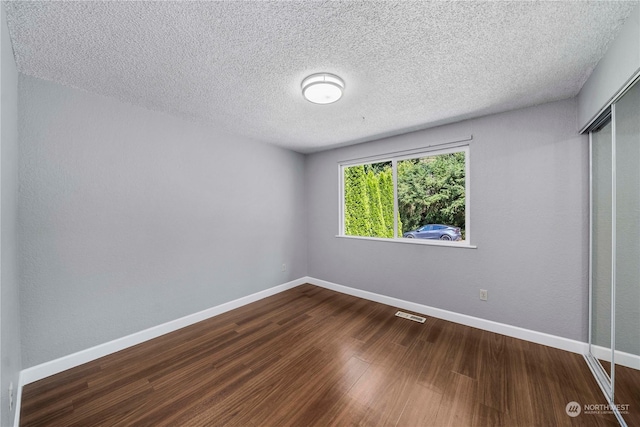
{"x": 322, "y": 88}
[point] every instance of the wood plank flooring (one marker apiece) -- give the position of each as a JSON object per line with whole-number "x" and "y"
{"x": 314, "y": 357}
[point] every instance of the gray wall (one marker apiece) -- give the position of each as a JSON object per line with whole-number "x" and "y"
{"x": 618, "y": 65}
{"x": 529, "y": 219}
{"x": 10, "y": 364}
{"x": 129, "y": 218}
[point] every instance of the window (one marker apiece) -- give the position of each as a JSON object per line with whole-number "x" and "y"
{"x": 421, "y": 196}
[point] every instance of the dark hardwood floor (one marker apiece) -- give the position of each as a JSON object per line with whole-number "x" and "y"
{"x": 314, "y": 357}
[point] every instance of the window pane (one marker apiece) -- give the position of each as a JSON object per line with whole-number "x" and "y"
{"x": 431, "y": 190}
{"x": 368, "y": 200}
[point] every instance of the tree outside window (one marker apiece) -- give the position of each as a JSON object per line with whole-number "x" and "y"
{"x": 430, "y": 189}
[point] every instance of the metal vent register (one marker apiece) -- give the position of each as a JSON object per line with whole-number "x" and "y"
{"x": 411, "y": 317}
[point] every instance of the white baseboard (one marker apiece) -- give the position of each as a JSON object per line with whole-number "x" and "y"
{"x": 55, "y": 366}
{"x": 621, "y": 358}
{"x": 476, "y": 322}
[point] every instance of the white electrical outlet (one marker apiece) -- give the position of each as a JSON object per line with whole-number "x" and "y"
{"x": 484, "y": 294}
{"x": 10, "y": 396}
{"x": 284, "y": 267}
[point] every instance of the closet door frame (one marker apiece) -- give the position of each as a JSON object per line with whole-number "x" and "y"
{"x": 605, "y": 381}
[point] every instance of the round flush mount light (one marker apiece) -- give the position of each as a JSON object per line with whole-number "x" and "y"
{"x": 322, "y": 88}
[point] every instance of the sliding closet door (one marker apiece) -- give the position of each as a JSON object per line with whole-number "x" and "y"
{"x": 601, "y": 244}
{"x": 627, "y": 247}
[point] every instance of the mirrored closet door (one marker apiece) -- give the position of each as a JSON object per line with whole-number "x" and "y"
{"x": 614, "y": 329}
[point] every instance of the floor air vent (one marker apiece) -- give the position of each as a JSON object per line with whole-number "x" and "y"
{"x": 411, "y": 317}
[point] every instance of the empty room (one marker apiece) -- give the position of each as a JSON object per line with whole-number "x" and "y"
{"x": 320, "y": 213}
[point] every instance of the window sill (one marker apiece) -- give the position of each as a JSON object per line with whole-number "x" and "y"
{"x": 424, "y": 242}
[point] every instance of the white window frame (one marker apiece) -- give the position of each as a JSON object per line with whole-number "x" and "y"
{"x": 394, "y": 158}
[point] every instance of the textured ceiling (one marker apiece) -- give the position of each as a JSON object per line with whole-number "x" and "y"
{"x": 239, "y": 65}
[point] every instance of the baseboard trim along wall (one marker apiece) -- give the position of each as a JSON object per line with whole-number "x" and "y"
{"x": 621, "y": 358}
{"x": 53, "y": 367}
{"x": 463, "y": 319}
{"x": 61, "y": 364}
